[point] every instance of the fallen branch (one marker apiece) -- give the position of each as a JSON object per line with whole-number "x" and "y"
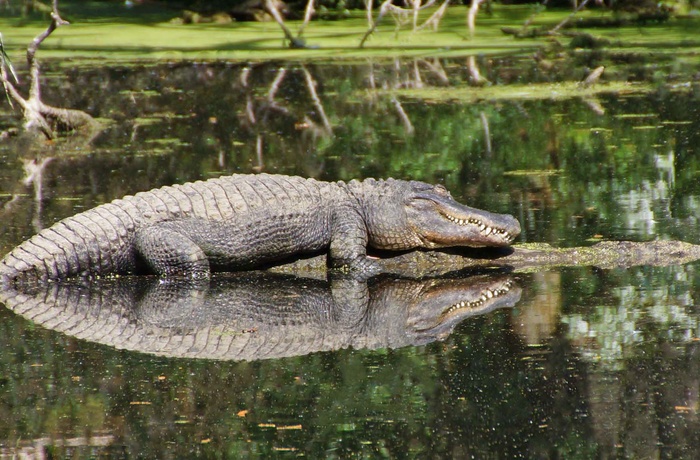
{"x": 37, "y": 115}
{"x": 526, "y": 257}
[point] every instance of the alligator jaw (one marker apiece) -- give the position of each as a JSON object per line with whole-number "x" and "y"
{"x": 484, "y": 227}
{"x": 439, "y": 221}
{"x": 489, "y": 294}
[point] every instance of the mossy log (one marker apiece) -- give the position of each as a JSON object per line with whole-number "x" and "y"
{"x": 523, "y": 258}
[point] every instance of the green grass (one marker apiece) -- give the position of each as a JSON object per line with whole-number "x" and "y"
{"x": 154, "y": 37}
{"x": 108, "y": 31}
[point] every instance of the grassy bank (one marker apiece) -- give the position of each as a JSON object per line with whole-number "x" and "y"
{"x": 110, "y": 31}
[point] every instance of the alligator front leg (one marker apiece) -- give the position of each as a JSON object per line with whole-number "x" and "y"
{"x": 169, "y": 252}
{"x": 348, "y": 248}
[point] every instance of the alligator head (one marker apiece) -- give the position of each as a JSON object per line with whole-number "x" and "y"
{"x": 444, "y": 303}
{"x": 416, "y": 214}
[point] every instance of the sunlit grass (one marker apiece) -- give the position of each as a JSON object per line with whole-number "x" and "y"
{"x": 92, "y": 37}
{"x": 115, "y": 33}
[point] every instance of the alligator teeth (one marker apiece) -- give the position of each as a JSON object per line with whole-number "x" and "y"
{"x": 486, "y": 295}
{"x": 485, "y": 229}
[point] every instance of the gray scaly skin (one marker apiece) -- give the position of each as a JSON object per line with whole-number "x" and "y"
{"x": 249, "y": 221}
{"x": 258, "y": 316}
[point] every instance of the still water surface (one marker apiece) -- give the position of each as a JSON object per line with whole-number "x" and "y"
{"x": 581, "y": 363}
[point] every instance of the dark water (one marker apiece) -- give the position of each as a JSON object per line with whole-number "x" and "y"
{"x": 587, "y": 363}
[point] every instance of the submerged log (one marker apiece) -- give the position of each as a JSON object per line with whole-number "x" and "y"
{"x": 523, "y": 258}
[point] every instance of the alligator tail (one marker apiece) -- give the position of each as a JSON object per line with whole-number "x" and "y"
{"x": 91, "y": 242}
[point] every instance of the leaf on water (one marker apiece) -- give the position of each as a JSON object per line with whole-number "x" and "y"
{"x": 289, "y": 427}
{"x": 242, "y": 413}
{"x": 145, "y": 92}
{"x": 145, "y": 121}
{"x": 167, "y": 141}
{"x": 636, "y": 115}
{"x": 533, "y": 172}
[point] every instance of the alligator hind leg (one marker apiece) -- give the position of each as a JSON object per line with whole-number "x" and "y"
{"x": 169, "y": 252}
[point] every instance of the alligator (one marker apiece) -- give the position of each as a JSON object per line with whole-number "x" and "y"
{"x": 257, "y": 315}
{"x": 244, "y": 222}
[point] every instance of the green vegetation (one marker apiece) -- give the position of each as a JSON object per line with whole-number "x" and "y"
{"x": 615, "y": 160}
{"x": 91, "y": 39}
{"x": 132, "y": 34}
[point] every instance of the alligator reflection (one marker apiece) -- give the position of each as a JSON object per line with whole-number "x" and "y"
{"x": 260, "y": 316}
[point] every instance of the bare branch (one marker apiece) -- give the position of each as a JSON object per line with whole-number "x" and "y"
{"x": 436, "y": 68}
{"x": 6, "y": 60}
{"x": 475, "y": 76}
{"x": 11, "y": 91}
{"x": 311, "y": 85}
{"x": 487, "y": 133}
{"x": 271, "y": 8}
{"x": 307, "y": 16}
{"x": 383, "y": 10}
{"x": 259, "y": 153}
{"x": 436, "y": 17}
{"x": 369, "y": 4}
{"x": 471, "y": 15}
{"x": 568, "y": 18}
{"x": 593, "y": 77}
{"x": 404, "y": 116}
{"x": 37, "y": 115}
{"x": 275, "y": 86}
{"x": 56, "y": 22}
{"x": 532, "y": 17}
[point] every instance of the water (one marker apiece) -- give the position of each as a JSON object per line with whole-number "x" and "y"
{"x": 587, "y": 363}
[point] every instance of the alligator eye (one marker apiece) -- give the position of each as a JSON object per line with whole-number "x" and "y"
{"x": 441, "y": 190}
